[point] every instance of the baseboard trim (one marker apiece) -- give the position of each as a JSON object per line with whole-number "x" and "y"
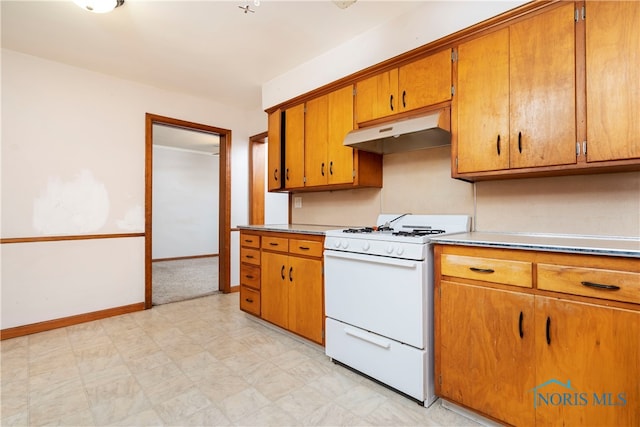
{"x": 48, "y": 325}
{"x": 185, "y": 257}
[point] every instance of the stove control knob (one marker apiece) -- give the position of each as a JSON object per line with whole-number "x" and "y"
{"x": 336, "y": 243}
{"x": 344, "y": 244}
{"x": 389, "y": 249}
{"x": 399, "y": 251}
{"x": 366, "y": 246}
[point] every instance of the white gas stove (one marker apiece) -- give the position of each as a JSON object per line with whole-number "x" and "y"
{"x": 379, "y": 299}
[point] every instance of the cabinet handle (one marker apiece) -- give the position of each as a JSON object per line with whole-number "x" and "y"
{"x": 548, "y": 331}
{"x": 322, "y": 169}
{"x": 273, "y": 243}
{"x": 290, "y": 271}
{"x": 520, "y": 142}
{"x": 250, "y": 256}
{"x": 482, "y": 270}
{"x": 275, "y": 174}
{"x": 287, "y": 174}
{"x": 282, "y": 272}
{"x": 304, "y": 248}
{"x": 391, "y": 102}
{"x": 498, "y": 145}
{"x": 601, "y": 286}
{"x": 520, "y": 325}
{"x": 249, "y": 300}
{"x": 249, "y": 276}
{"x": 404, "y": 94}
{"x": 331, "y": 167}
{"x": 248, "y": 241}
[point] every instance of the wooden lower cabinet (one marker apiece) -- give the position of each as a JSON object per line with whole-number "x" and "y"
{"x": 551, "y": 353}
{"x": 483, "y": 355}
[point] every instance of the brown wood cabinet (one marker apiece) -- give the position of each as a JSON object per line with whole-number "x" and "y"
{"x": 515, "y": 95}
{"x": 294, "y": 147}
{"x": 274, "y": 153}
{"x": 281, "y": 280}
{"x": 512, "y": 348}
{"x": 420, "y": 83}
{"x": 250, "y": 273}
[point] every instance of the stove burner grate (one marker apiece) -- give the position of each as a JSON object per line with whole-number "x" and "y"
{"x": 418, "y": 233}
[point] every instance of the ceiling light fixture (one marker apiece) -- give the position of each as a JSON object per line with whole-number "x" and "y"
{"x": 99, "y": 6}
{"x": 344, "y": 4}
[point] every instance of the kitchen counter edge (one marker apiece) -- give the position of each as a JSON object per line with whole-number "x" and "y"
{"x": 292, "y": 228}
{"x": 592, "y": 245}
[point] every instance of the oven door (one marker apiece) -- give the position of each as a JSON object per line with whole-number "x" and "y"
{"x": 387, "y": 296}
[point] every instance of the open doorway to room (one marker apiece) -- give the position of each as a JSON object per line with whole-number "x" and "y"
{"x": 187, "y": 216}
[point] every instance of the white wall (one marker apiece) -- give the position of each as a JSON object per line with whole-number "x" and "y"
{"x": 73, "y": 144}
{"x": 185, "y": 203}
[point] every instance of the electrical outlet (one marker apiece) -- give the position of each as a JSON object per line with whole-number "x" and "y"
{"x": 297, "y": 202}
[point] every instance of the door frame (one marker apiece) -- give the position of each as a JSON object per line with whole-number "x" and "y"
{"x": 224, "y": 217}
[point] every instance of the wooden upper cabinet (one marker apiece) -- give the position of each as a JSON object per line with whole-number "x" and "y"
{"x": 613, "y": 80}
{"x": 482, "y": 103}
{"x": 294, "y": 147}
{"x": 316, "y": 135}
{"x": 421, "y": 83}
{"x": 543, "y": 89}
{"x": 274, "y": 156}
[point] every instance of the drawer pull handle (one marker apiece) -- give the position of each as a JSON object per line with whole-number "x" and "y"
{"x": 290, "y": 271}
{"x": 282, "y": 272}
{"x": 249, "y": 300}
{"x": 548, "y": 331}
{"x": 520, "y": 325}
{"x": 273, "y": 244}
{"x": 250, "y": 256}
{"x": 304, "y": 248}
{"x": 248, "y": 240}
{"x": 379, "y": 341}
{"x": 248, "y": 276}
{"x": 482, "y": 270}
{"x": 601, "y": 286}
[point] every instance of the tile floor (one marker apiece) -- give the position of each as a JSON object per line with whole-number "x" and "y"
{"x": 197, "y": 362}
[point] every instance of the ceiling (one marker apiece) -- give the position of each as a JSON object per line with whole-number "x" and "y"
{"x": 186, "y": 139}
{"x": 210, "y": 49}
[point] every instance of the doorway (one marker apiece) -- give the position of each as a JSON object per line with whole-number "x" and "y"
{"x": 224, "y": 190}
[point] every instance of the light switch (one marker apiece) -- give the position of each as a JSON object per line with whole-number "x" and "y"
{"x": 297, "y": 202}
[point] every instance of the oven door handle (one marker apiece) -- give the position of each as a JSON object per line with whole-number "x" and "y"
{"x": 356, "y": 333}
{"x": 406, "y": 263}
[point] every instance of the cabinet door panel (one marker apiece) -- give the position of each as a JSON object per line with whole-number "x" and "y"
{"x": 340, "y": 158}
{"x": 274, "y": 154}
{"x": 483, "y": 357}
{"x": 316, "y": 138}
{"x": 273, "y": 288}
{"x": 597, "y": 350}
{"x": 306, "y": 309}
{"x": 613, "y": 80}
{"x": 425, "y": 82}
{"x": 482, "y": 102}
{"x": 377, "y": 96}
{"x": 294, "y": 147}
{"x": 543, "y": 89}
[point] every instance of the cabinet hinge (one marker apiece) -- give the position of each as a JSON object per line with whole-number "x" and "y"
{"x": 580, "y": 14}
{"x": 456, "y": 162}
{"x": 353, "y": 174}
{"x": 576, "y": 15}
{"x": 440, "y": 379}
{"x": 454, "y": 55}
{"x": 304, "y": 179}
{"x": 584, "y": 147}
{"x": 577, "y": 149}
{"x": 453, "y": 90}
{"x": 354, "y": 91}
{"x": 584, "y": 13}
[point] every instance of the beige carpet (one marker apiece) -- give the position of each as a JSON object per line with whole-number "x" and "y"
{"x": 184, "y": 279}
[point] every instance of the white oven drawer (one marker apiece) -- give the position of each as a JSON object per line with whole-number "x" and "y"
{"x": 398, "y": 365}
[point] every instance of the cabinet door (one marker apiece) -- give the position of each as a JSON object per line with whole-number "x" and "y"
{"x": 316, "y": 133}
{"x": 274, "y": 288}
{"x": 613, "y": 80}
{"x": 377, "y": 96}
{"x": 274, "y": 154}
{"x": 340, "y": 123}
{"x": 294, "y": 147}
{"x": 594, "y": 352}
{"x": 543, "y": 89}
{"x": 486, "y": 353}
{"x": 425, "y": 82}
{"x": 482, "y": 103}
{"x": 306, "y": 309}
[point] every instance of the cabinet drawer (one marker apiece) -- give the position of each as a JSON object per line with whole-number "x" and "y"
{"x": 508, "y": 272}
{"x": 249, "y": 240}
{"x": 251, "y": 256}
{"x": 250, "y": 276}
{"x": 305, "y": 247}
{"x": 249, "y": 300}
{"x": 590, "y": 282}
{"x": 279, "y": 244}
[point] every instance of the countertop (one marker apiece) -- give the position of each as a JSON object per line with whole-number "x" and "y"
{"x": 596, "y": 245}
{"x": 293, "y": 228}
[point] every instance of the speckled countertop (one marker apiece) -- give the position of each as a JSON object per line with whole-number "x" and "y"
{"x": 293, "y": 228}
{"x": 597, "y": 245}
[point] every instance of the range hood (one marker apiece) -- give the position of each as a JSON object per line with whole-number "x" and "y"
{"x": 417, "y": 133}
